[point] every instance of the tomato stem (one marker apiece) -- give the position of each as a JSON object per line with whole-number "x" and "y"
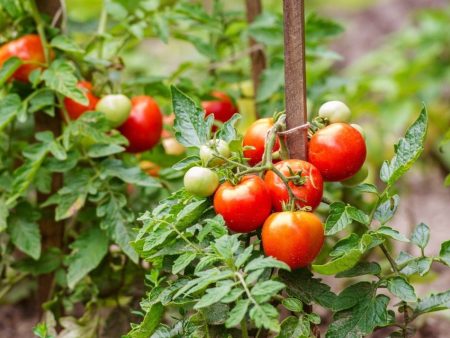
{"x": 40, "y": 29}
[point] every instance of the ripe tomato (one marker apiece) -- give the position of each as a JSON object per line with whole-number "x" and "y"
{"x": 219, "y": 147}
{"x": 360, "y": 129}
{"x": 293, "y": 237}
{"x": 245, "y": 206}
{"x": 335, "y": 111}
{"x": 144, "y": 125}
{"x": 256, "y": 137}
{"x": 29, "y": 49}
{"x": 338, "y": 151}
{"x": 223, "y": 108}
{"x": 201, "y": 181}
{"x": 75, "y": 109}
{"x": 116, "y": 107}
{"x": 308, "y": 190}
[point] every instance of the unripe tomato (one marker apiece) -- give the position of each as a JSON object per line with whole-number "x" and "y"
{"x": 201, "y": 181}
{"x": 218, "y": 147}
{"x": 29, "y": 49}
{"x": 172, "y": 146}
{"x": 245, "y": 206}
{"x": 294, "y": 238}
{"x": 256, "y": 137}
{"x": 150, "y": 168}
{"x": 116, "y": 107}
{"x": 75, "y": 109}
{"x": 143, "y": 127}
{"x": 358, "y": 178}
{"x": 359, "y": 128}
{"x": 223, "y": 108}
{"x": 308, "y": 189}
{"x": 338, "y": 151}
{"x": 335, "y": 111}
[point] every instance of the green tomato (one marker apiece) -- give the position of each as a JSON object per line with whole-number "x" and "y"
{"x": 358, "y": 178}
{"x": 212, "y": 148}
{"x": 116, "y": 107}
{"x": 335, "y": 111}
{"x": 201, "y": 181}
{"x": 360, "y": 129}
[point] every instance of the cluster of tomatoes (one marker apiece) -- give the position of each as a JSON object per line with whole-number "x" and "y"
{"x": 290, "y": 232}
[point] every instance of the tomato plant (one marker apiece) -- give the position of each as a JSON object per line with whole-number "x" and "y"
{"x": 255, "y": 139}
{"x": 222, "y": 107}
{"x": 75, "y": 109}
{"x": 200, "y": 181}
{"x": 116, "y": 108}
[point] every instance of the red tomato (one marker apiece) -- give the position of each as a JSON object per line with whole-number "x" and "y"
{"x": 245, "y": 206}
{"x": 338, "y": 151}
{"x": 75, "y": 109}
{"x": 223, "y": 108}
{"x": 29, "y": 49}
{"x": 309, "y": 192}
{"x": 144, "y": 125}
{"x": 255, "y": 136}
{"x": 293, "y": 237}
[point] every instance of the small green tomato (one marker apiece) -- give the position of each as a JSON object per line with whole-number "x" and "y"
{"x": 116, "y": 108}
{"x": 335, "y": 111}
{"x": 358, "y": 178}
{"x": 218, "y": 147}
{"x": 200, "y": 181}
{"x": 360, "y": 129}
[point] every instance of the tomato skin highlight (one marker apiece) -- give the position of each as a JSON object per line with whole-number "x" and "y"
{"x": 223, "y": 108}
{"x": 144, "y": 125}
{"x": 308, "y": 194}
{"x": 75, "y": 109}
{"x": 255, "y": 136}
{"x": 244, "y": 206}
{"x": 28, "y": 48}
{"x": 338, "y": 151}
{"x": 294, "y": 238}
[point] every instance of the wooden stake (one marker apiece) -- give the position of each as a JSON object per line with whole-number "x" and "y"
{"x": 258, "y": 59}
{"x": 295, "y": 76}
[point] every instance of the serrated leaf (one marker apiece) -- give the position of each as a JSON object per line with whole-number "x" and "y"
{"x": 263, "y": 291}
{"x": 60, "y": 78}
{"x": 366, "y": 187}
{"x": 66, "y": 44}
{"x": 444, "y": 253}
{"x": 133, "y": 175}
{"x": 87, "y": 253}
{"x": 341, "y": 216}
{"x": 237, "y": 313}
{"x": 419, "y": 265}
{"x": 48, "y": 262}
{"x": 227, "y": 131}
{"x": 392, "y": 233}
{"x": 352, "y": 295}
{"x": 191, "y": 128}
{"x": 293, "y": 327}
{"x": 407, "y": 151}
{"x": 362, "y": 268}
{"x": 243, "y": 257}
{"x": 8, "y": 69}
{"x": 233, "y": 295}
{"x": 213, "y": 295}
{"x": 40, "y": 101}
{"x": 186, "y": 163}
{"x": 292, "y": 304}
{"x": 266, "y": 316}
{"x": 183, "y": 261}
{"x": 434, "y": 302}
{"x": 386, "y": 210}
{"x": 421, "y": 235}
{"x": 264, "y": 263}
{"x": 9, "y": 107}
{"x": 26, "y": 236}
{"x": 402, "y": 289}
{"x": 102, "y": 150}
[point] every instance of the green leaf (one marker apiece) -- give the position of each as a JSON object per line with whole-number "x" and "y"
{"x": 421, "y": 235}
{"x": 292, "y": 304}
{"x": 362, "y": 319}
{"x": 301, "y": 285}
{"x": 60, "y": 78}
{"x": 362, "y": 268}
{"x": 237, "y": 313}
{"x": 434, "y": 302}
{"x": 48, "y": 262}
{"x": 265, "y": 315}
{"x": 341, "y": 216}
{"x": 243, "y": 257}
{"x": 419, "y": 265}
{"x": 4, "y": 212}
{"x": 233, "y": 295}
{"x": 8, "y": 69}
{"x": 444, "y": 253}
{"x": 213, "y": 295}
{"x": 149, "y": 324}
{"x": 392, "y": 233}
{"x": 263, "y": 291}
{"x": 87, "y": 253}
{"x": 9, "y": 107}
{"x": 183, "y": 261}
{"x": 227, "y": 131}
{"x": 102, "y": 150}
{"x": 133, "y": 175}
{"x": 272, "y": 80}
{"x": 66, "y": 44}
{"x": 43, "y": 99}
{"x": 264, "y": 263}
{"x": 352, "y": 295}
{"x": 366, "y": 187}
{"x": 402, "y": 289}
{"x": 191, "y": 128}
{"x": 407, "y": 151}
{"x": 123, "y": 236}
{"x": 293, "y": 327}
{"x": 25, "y": 235}
{"x": 386, "y": 210}
{"x": 186, "y": 163}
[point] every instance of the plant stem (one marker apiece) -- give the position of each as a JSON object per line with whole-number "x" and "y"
{"x": 292, "y": 197}
{"x": 244, "y": 327}
{"x": 40, "y": 28}
{"x": 101, "y": 29}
